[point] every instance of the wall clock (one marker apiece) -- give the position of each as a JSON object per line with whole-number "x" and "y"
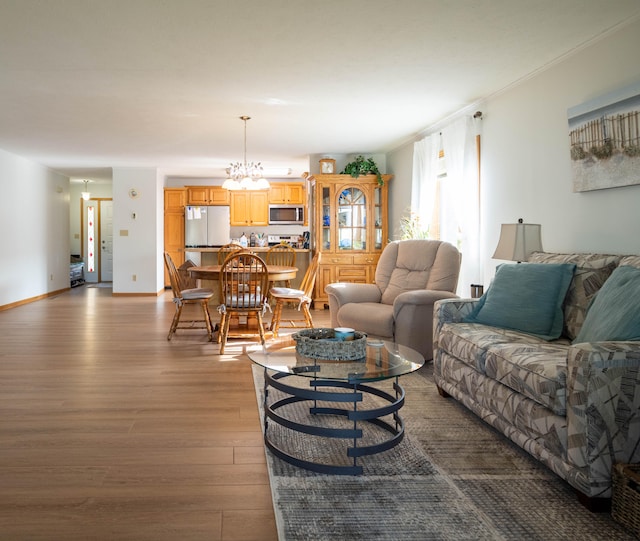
{"x": 327, "y": 166}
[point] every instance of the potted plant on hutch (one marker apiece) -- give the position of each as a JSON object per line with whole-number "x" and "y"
{"x": 360, "y": 166}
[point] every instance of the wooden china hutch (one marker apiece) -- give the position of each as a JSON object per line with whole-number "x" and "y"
{"x": 350, "y": 229}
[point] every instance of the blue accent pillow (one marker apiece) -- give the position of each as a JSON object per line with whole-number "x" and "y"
{"x": 526, "y": 297}
{"x": 614, "y": 313}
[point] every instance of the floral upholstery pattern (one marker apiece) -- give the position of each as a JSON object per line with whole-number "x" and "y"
{"x": 575, "y": 408}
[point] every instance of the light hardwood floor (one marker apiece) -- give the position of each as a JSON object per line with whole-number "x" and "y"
{"x": 109, "y": 431}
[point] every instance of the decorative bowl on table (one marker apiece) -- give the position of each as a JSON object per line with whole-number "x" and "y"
{"x": 323, "y": 344}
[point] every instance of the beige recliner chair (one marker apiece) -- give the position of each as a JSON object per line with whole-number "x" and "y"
{"x": 410, "y": 276}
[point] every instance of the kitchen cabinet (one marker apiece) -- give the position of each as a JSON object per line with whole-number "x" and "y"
{"x": 175, "y": 199}
{"x": 174, "y": 203}
{"x": 249, "y": 207}
{"x": 350, "y": 229}
{"x": 207, "y": 195}
{"x": 287, "y": 193}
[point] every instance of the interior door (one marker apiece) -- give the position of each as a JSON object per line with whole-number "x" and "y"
{"x": 89, "y": 240}
{"x": 97, "y": 244}
{"x": 106, "y": 241}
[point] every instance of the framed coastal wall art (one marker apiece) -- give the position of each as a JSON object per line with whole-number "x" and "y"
{"x": 604, "y": 138}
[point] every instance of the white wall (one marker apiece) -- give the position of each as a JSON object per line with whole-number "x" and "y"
{"x": 526, "y": 168}
{"x": 34, "y": 220}
{"x": 137, "y": 242}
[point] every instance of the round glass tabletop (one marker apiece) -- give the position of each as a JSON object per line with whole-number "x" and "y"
{"x": 383, "y": 360}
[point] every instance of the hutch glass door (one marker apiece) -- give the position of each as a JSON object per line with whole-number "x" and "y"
{"x": 352, "y": 219}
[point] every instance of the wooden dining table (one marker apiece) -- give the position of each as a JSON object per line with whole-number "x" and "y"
{"x": 240, "y": 329}
{"x": 276, "y": 273}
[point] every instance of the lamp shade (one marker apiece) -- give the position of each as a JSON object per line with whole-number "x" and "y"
{"x": 518, "y": 241}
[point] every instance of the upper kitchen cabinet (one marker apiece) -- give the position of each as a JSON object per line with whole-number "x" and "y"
{"x": 175, "y": 199}
{"x": 351, "y": 229}
{"x": 207, "y": 195}
{"x": 249, "y": 207}
{"x": 287, "y": 193}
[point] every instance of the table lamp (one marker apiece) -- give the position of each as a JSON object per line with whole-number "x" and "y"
{"x": 518, "y": 241}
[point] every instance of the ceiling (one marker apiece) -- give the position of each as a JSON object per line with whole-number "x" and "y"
{"x": 90, "y": 85}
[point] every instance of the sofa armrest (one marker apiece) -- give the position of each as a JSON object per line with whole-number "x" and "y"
{"x": 450, "y": 311}
{"x": 340, "y": 294}
{"x": 603, "y": 409}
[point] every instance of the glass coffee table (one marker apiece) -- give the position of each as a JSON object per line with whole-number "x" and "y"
{"x": 335, "y": 388}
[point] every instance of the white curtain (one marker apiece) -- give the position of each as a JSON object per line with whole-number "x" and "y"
{"x": 459, "y": 193}
{"x": 424, "y": 179}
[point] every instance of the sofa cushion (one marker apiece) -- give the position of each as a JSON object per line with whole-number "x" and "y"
{"x": 526, "y": 297}
{"x": 614, "y": 314}
{"x": 469, "y": 342}
{"x": 377, "y": 318}
{"x": 538, "y": 371}
{"x": 592, "y": 270}
{"x": 523, "y": 420}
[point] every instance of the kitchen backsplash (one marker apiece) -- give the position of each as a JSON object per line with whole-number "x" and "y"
{"x": 236, "y": 231}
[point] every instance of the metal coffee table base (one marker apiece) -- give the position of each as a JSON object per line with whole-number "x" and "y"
{"x": 297, "y": 394}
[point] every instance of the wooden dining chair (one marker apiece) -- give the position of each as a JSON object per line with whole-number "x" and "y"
{"x": 282, "y": 254}
{"x": 301, "y": 297}
{"x": 186, "y": 280}
{"x": 244, "y": 283}
{"x": 227, "y": 249}
{"x": 184, "y": 295}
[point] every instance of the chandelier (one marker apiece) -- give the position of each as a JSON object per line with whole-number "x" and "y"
{"x": 86, "y": 195}
{"x": 245, "y": 175}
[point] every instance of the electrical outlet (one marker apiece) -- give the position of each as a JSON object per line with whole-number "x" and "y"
{"x": 134, "y": 277}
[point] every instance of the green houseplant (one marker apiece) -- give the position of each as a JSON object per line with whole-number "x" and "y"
{"x": 411, "y": 228}
{"x": 360, "y": 166}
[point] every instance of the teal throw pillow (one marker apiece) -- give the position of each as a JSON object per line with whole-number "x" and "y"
{"x": 526, "y": 297}
{"x": 614, "y": 313}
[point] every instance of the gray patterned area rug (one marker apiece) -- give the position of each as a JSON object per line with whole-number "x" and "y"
{"x": 453, "y": 477}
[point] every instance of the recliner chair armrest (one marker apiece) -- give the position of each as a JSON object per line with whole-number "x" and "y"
{"x": 420, "y": 297}
{"x": 340, "y": 294}
{"x": 413, "y": 318}
{"x": 348, "y": 292}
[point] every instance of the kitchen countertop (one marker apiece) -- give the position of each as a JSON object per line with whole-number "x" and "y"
{"x": 252, "y": 248}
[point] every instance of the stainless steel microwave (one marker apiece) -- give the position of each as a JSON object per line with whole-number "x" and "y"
{"x": 286, "y": 214}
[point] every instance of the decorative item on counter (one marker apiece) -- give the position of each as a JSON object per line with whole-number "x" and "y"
{"x": 323, "y": 344}
{"x": 252, "y": 239}
{"x": 243, "y": 240}
{"x": 261, "y": 240}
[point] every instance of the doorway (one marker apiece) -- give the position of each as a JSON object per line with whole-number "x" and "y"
{"x": 97, "y": 240}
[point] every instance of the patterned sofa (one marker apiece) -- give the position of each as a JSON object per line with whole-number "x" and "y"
{"x": 573, "y": 406}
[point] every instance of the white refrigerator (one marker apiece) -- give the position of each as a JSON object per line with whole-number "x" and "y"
{"x": 206, "y": 227}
